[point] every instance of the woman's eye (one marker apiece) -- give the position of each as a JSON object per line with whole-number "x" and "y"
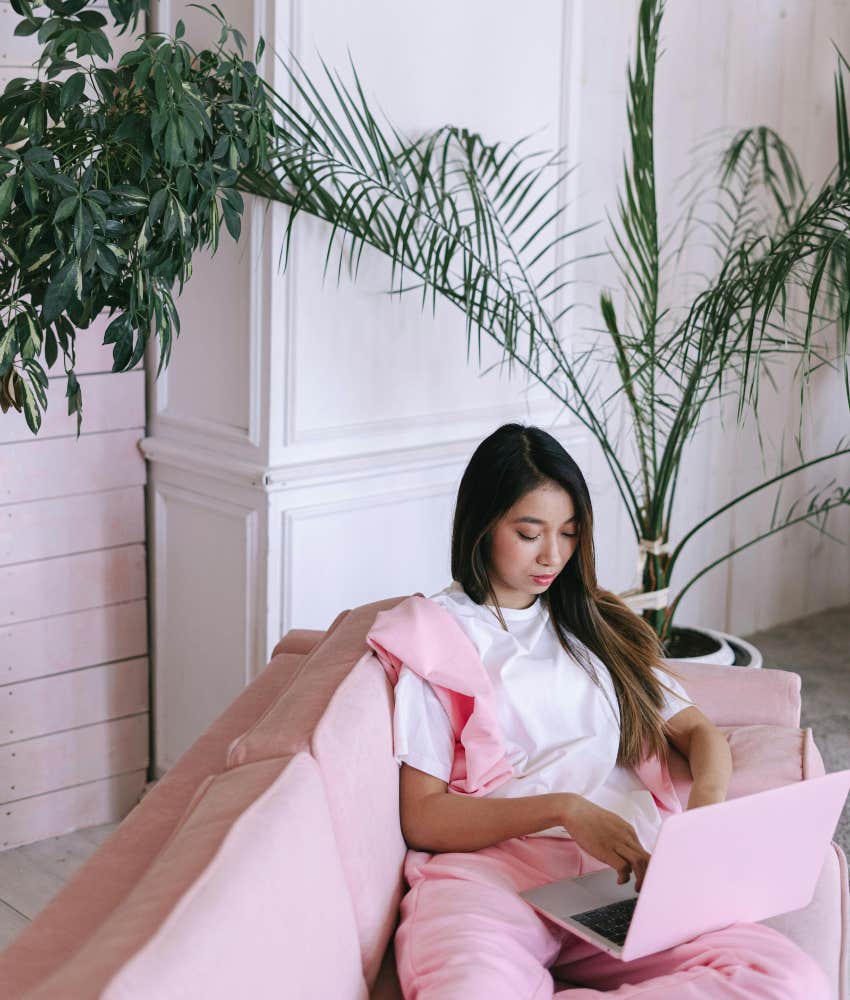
{"x": 534, "y": 538}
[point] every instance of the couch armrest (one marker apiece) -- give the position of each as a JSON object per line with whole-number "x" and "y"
{"x": 742, "y": 696}
{"x": 303, "y": 640}
{"x": 298, "y": 640}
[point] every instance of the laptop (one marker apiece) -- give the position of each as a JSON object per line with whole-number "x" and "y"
{"x": 744, "y": 860}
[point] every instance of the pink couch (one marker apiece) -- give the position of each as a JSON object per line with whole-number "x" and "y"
{"x": 268, "y": 861}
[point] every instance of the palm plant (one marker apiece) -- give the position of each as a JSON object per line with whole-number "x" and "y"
{"x": 473, "y": 223}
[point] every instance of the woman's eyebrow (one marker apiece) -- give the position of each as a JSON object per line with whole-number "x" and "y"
{"x": 537, "y": 520}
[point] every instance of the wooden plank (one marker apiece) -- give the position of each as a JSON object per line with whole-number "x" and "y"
{"x": 35, "y": 470}
{"x": 58, "y": 760}
{"x": 78, "y": 698}
{"x": 110, "y": 403}
{"x": 11, "y": 924}
{"x": 43, "y": 529}
{"x": 71, "y": 583}
{"x": 68, "y": 642}
{"x": 54, "y": 813}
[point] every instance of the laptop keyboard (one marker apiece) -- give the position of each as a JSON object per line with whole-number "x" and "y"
{"x": 611, "y": 921}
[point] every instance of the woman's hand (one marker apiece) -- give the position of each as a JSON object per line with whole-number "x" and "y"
{"x": 606, "y": 836}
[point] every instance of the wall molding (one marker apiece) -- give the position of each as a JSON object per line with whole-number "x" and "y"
{"x": 328, "y": 469}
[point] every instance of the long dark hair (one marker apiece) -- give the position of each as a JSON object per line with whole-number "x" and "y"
{"x": 513, "y": 461}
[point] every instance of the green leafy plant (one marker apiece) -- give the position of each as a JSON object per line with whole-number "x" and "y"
{"x": 171, "y": 136}
{"x": 110, "y": 180}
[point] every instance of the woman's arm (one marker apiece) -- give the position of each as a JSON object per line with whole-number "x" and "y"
{"x": 436, "y": 820}
{"x": 707, "y": 751}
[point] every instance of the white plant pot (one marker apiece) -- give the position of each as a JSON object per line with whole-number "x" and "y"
{"x": 726, "y": 654}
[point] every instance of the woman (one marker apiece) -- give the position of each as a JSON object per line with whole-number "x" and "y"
{"x": 581, "y": 697}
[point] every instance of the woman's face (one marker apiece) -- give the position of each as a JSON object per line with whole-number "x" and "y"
{"x": 535, "y": 538}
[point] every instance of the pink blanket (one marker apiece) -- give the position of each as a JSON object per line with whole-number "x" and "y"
{"x": 426, "y": 638}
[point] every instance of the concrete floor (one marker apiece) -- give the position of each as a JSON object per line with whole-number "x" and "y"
{"x": 818, "y": 649}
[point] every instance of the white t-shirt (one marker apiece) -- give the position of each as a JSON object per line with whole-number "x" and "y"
{"x": 561, "y": 732}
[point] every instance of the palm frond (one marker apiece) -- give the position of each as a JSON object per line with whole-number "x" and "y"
{"x": 468, "y": 220}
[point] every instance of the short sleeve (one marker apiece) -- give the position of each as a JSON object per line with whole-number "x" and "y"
{"x": 422, "y": 732}
{"x": 673, "y": 703}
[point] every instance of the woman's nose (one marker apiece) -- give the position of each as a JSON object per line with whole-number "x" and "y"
{"x": 549, "y": 555}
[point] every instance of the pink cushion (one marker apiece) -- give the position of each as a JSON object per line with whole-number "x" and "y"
{"x": 741, "y": 696}
{"x": 762, "y": 757}
{"x": 353, "y": 745}
{"x": 220, "y": 913}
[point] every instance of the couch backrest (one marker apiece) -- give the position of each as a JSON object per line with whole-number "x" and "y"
{"x": 99, "y": 886}
{"x": 288, "y": 723}
{"x": 221, "y": 911}
{"x": 353, "y": 743}
{"x": 339, "y": 707}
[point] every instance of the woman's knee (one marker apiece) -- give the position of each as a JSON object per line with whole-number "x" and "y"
{"x": 477, "y": 979}
{"x": 455, "y": 932}
{"x": 771, "y": 960}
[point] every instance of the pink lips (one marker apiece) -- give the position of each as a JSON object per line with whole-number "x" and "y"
{"x": 544, "y": 579}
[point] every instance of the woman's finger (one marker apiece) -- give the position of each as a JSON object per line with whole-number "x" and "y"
{"x": 635, "y": 851}
{"x": 635, "y": 860}
{"x": 640, "y": 874}
{"x": 623, "y": 867}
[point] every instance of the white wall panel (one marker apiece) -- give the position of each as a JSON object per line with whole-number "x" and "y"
{"x": 395, "y": 364}
{"x": 205, "y": 613}
{"x": 343, "y": 554}
{"x": 206, "y": 388}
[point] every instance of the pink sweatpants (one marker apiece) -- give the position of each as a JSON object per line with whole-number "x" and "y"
{"x": 465, "y": 934}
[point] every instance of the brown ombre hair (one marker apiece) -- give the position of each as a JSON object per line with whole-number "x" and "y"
{"x": 511, "y": 462}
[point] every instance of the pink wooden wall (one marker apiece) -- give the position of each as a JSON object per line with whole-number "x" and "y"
{"x": 74, "y": 701}
{"x": 73, "y": 611}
